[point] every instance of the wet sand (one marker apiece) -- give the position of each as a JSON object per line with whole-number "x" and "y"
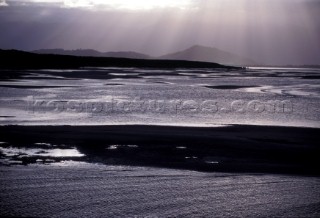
{"x": 235, "y": 148}
{"x": 229, "y": 87}
{"x": 111, "y": 168}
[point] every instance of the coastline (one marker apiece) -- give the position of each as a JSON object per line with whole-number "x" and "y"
{"x": 28, "y": 60}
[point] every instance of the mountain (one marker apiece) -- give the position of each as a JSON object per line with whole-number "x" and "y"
{"x": 78, "y": 52}
{"x": 126, "y": 54}
{"x": 207, "y": 54}
{"x": 194, "y": 53}
{"x": 93, "y": 53}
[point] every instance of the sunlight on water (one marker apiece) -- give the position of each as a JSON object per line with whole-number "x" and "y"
{"x": 31, "y": 152}
{"x": 162, "y": 97}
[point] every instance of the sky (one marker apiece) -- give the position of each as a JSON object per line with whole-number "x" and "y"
{"x": 267, "y": 31}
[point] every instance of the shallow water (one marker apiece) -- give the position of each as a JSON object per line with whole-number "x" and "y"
{"x": 182, "y": 97}
{"x": 75, "y": 189}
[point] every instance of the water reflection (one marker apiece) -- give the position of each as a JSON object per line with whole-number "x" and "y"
{"x": 39, "y": 152}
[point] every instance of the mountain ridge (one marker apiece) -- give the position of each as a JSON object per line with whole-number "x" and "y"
{"x": 209, "y": 54}
{"x": 93, "y": 53}
{"x": 194, "y": 53}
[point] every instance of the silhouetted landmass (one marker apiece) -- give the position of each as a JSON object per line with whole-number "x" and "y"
{"x": 286, "y": 66}
{"x": 13, "y": 59}
{"x": 227, "y": 149}
{"x": 207, "y": 54}
{"x": 93, "y": 53}
{"x": 194, "y": 53}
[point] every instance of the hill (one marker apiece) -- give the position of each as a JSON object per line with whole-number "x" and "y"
{"x": 93, "y": 53}
{"x": 14, "y": 59}
{"x": 207, "y": 54}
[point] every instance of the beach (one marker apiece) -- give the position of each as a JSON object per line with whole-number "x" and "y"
{"x": 141, "y": 142}
{"x": 159, "y": 108}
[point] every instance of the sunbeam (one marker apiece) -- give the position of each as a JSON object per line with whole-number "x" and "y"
{"x": 269, "y": 31}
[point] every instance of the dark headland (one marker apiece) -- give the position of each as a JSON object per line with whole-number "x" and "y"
{"x": 13, "y": 59}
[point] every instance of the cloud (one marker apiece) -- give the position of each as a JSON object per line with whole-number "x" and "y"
{"x": 109, "y": 4}
{"x": 3, "y": 3}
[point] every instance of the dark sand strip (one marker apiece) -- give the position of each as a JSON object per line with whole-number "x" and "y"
{"x": 226, "y": 149}
{"x": 229, "y": 87}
